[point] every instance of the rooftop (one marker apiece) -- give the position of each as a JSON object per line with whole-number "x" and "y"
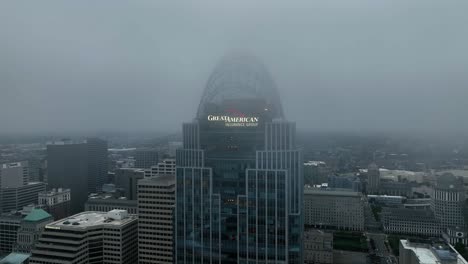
{"x": 89, "y": 219}
{"x": 160, "y": 180}
{"x": 14, "y": 165}
{"x": 15, "y": 258}
{"x": 330, "y": 192}
{"x": 428, "y": 254}
{"x": 37, "y": 215}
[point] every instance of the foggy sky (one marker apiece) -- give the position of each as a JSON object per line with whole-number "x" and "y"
{"x": 360, "y": 65}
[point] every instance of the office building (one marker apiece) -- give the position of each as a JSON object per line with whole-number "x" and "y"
{"x": 89, "y": 237}
{"x": 318, "y": 247}
{"x": 386, "y": 200}
{"x": 373, "y": 178}
{"x": 15, "y": 198}
{"x": 410, "y": 222}
{"x": 350, "y": 182}
{"x": 20, "y": 229}
{"x": 15, "y": 189}
{"x": 448, "y": 201}
{"x": 454, "y": 235}
{"x": 165, "y": 167}
{"x": 316, "y": 172}
{"x": 395, "y": 188}
{"x": 126, "y": 180}
{"x": 14, "y": 175}
{"x": 420, "y": 203}
{"x": 239, "y": 173}
{"x": 9, "y": 225}
{"x": 145, "y": 158}
{"x": 156, "y": 201}
{"x": 80, "y": 167}
{"x": 30, "y": 229}
{"x": 336, "y": 209}
{"x": 106, "y": 203}
{"x": 419, "y": 252}
{"x": 56, "y": 202}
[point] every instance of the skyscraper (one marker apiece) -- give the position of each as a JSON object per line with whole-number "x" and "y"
{"x": 239, "y": 181}
{"x": 80, "y": 167}
{"x": 448, "y": 201}
{"x": 145, "y": 158}
{"x": 15, "y": 189}
{"x": 14, "y": 175}
{"x": 155, "y": 219}
{"x": 373, "y": 178}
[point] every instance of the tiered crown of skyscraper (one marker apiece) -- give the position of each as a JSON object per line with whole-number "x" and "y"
{"x": 241, "y": 76}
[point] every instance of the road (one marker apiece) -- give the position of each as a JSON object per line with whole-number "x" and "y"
{"x": 381, "y": 247}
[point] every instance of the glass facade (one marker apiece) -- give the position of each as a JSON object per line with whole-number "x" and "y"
{"x": 239, "y": 181}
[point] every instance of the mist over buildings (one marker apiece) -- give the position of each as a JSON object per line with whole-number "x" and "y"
{"x": 142, "y": 65}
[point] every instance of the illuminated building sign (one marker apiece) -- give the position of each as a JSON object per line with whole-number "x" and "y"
{"x": 237, "y": 121}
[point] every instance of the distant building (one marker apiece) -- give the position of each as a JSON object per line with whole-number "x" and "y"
{"x": 373, "y": 179}
{"x": 410, "y": 222}
{"x": 30, "y": 229}
{"x": 14, "y": 175}
{"x": 448, "y": 201}
{"x": 421, "y": 203}
{"x": 315, "y": 172}
{"x": 106, "y": 202}
{"x": 156, "y": 202}
{"x": 89, "y": 237}
{"x": 127, "y": 180}
{"x": 386, "y": 200}
{"x": 9, "y": 225}
{"x": 173, "y": 147}
{"x": 345, "y": 182}
{"x": 15, "y": 198}
{"x": 145, "y": 158}
{"x": 412, "y": 252}
{"x": 80, "y": 167}
{"x": 395, "y": 188}
{"x": 165, "y": 167}
{"x": 15, "y": 189}
{"x": 56, "y": 202}
{"x": 20, "y": 229}
{"x": 334, "y": 209}
{"x": 318, "y": 247}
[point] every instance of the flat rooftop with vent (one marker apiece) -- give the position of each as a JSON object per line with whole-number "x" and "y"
{"x": 92, "y": 219}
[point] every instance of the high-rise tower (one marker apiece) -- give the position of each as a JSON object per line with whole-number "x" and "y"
{"x": 80, "y": 167}
{"x": 239, "y": 184}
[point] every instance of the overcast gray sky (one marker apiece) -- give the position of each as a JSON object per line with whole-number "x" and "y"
{"x": 142, "y": 65}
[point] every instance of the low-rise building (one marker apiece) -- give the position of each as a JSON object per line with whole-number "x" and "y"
{"x": 89, "y": 237}
{"x": 30, "y": 229}
{"x": 412, "y": 252}
{"x": 318, "y": 247}
{"x": 56, "y": 202}
{"x": 410, "y": 222}
{"x": 165, "y": 167}
{"x": 325, "y": 208}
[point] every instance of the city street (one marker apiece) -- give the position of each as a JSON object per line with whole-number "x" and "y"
{"x": 381, "y": 247}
